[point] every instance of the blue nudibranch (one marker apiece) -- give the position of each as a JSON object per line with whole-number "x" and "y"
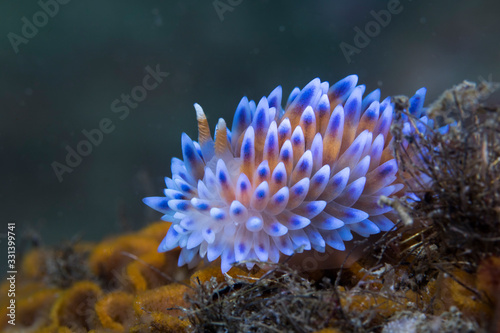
{"x": 302, "y": 177}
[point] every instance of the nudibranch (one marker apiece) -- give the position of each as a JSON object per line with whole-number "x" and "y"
{"x": 283, "y": 179}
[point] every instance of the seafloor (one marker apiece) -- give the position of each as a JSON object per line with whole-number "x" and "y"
{"x": 436, "y": 272}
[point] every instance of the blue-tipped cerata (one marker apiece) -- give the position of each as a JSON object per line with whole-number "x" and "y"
{"x": 282, "y": 179}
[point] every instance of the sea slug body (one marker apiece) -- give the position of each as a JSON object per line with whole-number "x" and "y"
{"x": 281, "y": 180}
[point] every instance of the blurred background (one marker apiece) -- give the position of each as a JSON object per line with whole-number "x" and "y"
{"x": 65, "y": 67}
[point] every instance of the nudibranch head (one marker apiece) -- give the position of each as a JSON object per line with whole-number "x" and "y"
{"x": 281, "y": 180}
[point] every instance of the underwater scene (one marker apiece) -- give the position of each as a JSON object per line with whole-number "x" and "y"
{"x": 250, "y": 166}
